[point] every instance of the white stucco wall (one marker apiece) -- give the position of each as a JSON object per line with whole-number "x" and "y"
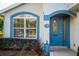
{"x": 74, "y": 29}
{"x": 52, "y": 7}
{"x": 41, "y": 10}
{"x": 46, "y": 32}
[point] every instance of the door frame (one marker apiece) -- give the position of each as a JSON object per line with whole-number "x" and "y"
{"x": 66, "y": 12}
{"x": 67, "y": 31}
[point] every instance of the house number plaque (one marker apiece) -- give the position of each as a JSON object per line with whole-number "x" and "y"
{"x": 46, "y": 25}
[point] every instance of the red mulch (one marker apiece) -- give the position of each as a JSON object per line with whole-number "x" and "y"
{"x": 17, "y": 53}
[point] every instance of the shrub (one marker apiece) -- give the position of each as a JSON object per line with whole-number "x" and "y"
{"x": 78, "y": 52}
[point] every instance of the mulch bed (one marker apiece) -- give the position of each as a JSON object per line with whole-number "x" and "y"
{"x": 17, "y": 53}
{"x": 28, "y": 47}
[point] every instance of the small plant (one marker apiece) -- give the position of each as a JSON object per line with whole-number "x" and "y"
{"x": 1, "y": 34}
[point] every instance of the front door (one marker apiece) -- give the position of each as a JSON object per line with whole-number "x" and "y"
{"x": 56, "y": 31}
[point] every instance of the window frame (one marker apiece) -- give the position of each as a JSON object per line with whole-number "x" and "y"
{"x": 25, "y": 28}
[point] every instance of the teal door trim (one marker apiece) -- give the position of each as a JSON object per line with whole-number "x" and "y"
{"x": 66, "y": 12}
{"x": 68, "y": 31}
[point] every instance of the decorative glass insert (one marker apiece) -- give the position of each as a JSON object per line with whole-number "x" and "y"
{"x": 25, "y": 26}
{"x": 55, "y": 26}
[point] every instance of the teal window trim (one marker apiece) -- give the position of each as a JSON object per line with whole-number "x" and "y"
{"x": 18, "y": 13}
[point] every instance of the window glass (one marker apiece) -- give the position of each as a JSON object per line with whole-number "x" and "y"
{"x": 18, "y": 22}
{"x": 25, "y": 26}
{"x": 31, "y": 33}
{"x": 31, "y": 23}
{"x": 18, "y": 32}
{"x": 31, "y": 28}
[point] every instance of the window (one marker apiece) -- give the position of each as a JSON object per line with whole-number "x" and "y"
{"x": 25, "y": 26}
{"x": 30, "y": 28}
{"x": 18, "y": 27}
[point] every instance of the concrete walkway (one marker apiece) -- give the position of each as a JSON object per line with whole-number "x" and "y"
{"x": 62, "y": 51}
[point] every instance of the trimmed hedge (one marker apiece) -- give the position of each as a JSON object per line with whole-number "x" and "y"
{"x": 18, "y": 44}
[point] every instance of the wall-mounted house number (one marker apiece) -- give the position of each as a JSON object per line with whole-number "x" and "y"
{"x": 46, "y": 25}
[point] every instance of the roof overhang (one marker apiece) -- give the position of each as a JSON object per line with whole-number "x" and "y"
{"x": 74, "y": 7}
{"x": 10, "y": 7}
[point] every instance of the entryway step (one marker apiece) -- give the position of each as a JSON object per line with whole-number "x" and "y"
{"x": 52, "y": 48}
{"x": 62, "y": 51}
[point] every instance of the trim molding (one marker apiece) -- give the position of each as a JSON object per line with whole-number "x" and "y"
{"x": 67, "y": 12}
{"x": 68, "y": 31}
